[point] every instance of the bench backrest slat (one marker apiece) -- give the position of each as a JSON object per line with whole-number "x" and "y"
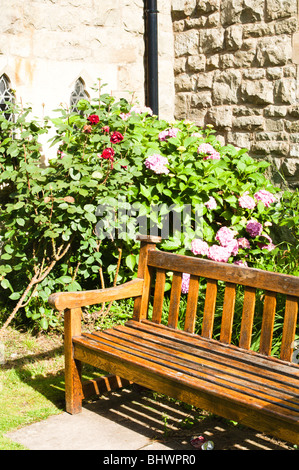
{"x": 209, "y": 309}
{"x": 175, "y": 296}
{"x": 252, "y": 277}
{"x": 289, "y": 328}
{"x": 268, "y": 323}
{"x": 255, "y": 285}
{"x": 247, "y": 317}
{"x": 191, "y": 308}
{"x": 228, "y": 313}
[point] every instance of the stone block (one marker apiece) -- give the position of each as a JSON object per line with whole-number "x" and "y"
{"x": 226, "y": 87}
{"x": 240, "y": 139}
{"x": 220, "y": 117}
{"x": 253, "y": 10}
{"x": 275, "y": 9}
{"x": 270, "y": 147}
{"x": 184, "y": 82}
{"x": 196, "y": 63}
{"x": 290, "y": 167}
{"x": 186, "y": 43}
{"x": 231, "y": 11}
{"x": 211, "y": 40}
{"x": 257, "y": 92}
{"x": 275, "y": 111}
{"x": 285, "y": 91}
{"x": 248, "y": 123}
{"x": 203, "y": 99}
{"x": 234, "y": 37}
{"x": 274, "y": 51}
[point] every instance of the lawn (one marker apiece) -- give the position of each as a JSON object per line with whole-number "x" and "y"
{"x": 31, "y": 381}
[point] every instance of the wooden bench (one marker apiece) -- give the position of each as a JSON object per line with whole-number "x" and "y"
{"x": 228, "y": 380}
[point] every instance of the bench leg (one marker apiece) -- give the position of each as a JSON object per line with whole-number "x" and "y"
{"x": 73, "y": 384}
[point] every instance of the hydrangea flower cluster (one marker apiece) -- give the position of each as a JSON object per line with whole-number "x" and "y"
{"x": 185, "y": 283}
{"x": 136, "y": 110}
{"x": 168, "y": 133}
{"x": 248, "y": 202}
{"x": 211, "y": 203}
{"x": 209, "y": 151}
{"x": 157, "y": 164}
{"x": 265, "y": 196}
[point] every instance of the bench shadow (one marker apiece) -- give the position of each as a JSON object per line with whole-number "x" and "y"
{"x": 158, "y": 418}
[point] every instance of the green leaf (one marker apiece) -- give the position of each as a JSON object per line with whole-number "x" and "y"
{"x": 131, "y": 261}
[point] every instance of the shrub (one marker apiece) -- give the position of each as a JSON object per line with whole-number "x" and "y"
{"x": 63, "y": 223}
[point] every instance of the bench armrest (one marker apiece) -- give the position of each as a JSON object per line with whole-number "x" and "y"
{"x": 69, "y": 300}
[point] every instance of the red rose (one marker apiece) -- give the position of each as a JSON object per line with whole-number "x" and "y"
{"x": 108, "y": 154}
{"x": 93, "y": 119}
{"x": 116, "y": 137}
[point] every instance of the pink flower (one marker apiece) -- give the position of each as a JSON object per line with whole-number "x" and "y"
{"x": 209, "y": 151}
{"x": 254, "y": 228}
{"x": 93, "y": 119}
{"x": 219, "y": 253}
{"x": 199, "y": 247}
{"x": 265, "y": 196}
{"x": 225, "y": 235}
{"x": 246, "y": 202}
{"x": 185, "y": 283}
{"x": 196, "y": 134}
{"x": 106, "y": 129}
{"x": 125, "y": 116}
{"x": 243, "y": 242}
{"x": 268, "y": 247}
{"x": 116, "y": 137}
{"x": 142, "y": 110}
{"x": 157, "y": 164}
{"x": 233, "y": 247}
{"x": 241, "y": 263}
{"x": 211, "y": 204}
{"x": 168, "y": 133}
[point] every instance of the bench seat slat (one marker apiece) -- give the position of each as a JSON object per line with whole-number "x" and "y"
{"x": 205, "y": 371}
{"x": 180, "y": 373}
{"x": 185, "y": 339}
{"x": 198, "y": 358}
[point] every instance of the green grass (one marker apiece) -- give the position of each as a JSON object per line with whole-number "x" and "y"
{"x": 31, "y": 382}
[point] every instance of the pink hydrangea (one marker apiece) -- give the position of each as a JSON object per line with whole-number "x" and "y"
{"x": 265, "y": 196}
{"x": 209, "y": 151}
{"x": 233, "y": 247}
{"x": 241, "y": 263}
{"x": 199, "y": 247}
{"x": 211, "y": 204}
{"x": 157, "y": 164}
{"x": 219, "y": 253}
{"x": 168, "y": 133}
{"x": 254, "y": 228}
{"x": 246, "y": 202}
{"x": 225, "y": 235}
{"x": 243, "y": 242}
{"x": 268, "y": 247}
{"x": 142, "y": 110}
{"x": 185, "y": 283}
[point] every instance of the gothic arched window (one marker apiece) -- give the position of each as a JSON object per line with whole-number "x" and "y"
{"x": 78, "y": 94}
{"x": 6, "y": 95}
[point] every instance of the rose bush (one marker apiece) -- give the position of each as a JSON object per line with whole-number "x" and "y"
{"x": 62, "y": 224}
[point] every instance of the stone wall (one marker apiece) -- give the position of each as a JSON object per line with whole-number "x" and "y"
{"x": 236, "y": 68}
